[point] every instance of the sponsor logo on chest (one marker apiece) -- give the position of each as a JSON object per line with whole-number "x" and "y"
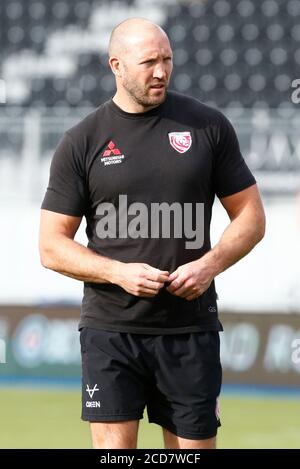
{"x": 180, "y": 141}
{"x": 112, "y": 155}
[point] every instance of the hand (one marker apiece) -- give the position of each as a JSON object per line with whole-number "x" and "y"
{"x": 141, "y": 279}
{"x": 191, "y": 280}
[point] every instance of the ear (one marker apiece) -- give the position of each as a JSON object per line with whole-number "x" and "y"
{"x": 115, "y": 66}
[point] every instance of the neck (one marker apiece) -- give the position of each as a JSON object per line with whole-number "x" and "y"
{"x": 128, "y": 105}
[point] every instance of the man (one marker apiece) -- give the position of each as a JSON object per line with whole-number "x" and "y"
{"x": 144, "y": 169}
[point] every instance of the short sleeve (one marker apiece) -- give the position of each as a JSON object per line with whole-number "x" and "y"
{"x": 66, "y": 192}
{"x": 231, "y": 171}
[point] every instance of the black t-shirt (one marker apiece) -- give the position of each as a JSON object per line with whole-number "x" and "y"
{"x": 146, "y": 183}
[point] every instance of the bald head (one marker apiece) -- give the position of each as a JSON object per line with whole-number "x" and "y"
{"x": 140, "y": 57}
{"x": 130, "y": 33}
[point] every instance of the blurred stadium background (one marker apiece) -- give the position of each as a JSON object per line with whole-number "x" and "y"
{"x": 240, "y": 56}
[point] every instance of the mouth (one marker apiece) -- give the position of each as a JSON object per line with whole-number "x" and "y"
{"x": 158, "y": 87}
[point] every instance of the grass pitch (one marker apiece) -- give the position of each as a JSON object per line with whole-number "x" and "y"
{"x": 31, "y": 418}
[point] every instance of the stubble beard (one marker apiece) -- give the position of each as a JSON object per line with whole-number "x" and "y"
{"x": 142, "y": 95}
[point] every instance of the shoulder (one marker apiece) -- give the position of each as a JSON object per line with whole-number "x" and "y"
{"x": 88, "y": 125}
{"x": 193, "y": 109}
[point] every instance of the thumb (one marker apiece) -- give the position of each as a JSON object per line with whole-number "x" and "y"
{"x": 173, "y": 276}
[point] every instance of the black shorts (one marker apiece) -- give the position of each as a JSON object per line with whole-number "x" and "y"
{"x": 178, "y": 377}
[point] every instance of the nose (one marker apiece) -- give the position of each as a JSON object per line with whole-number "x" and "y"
{"x": 159, "y": 71}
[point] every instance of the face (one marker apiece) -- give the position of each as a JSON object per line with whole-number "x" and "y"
{"x": 146, "y": 71}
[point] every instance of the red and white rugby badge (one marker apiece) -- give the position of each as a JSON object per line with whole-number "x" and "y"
{"x": 180, "y": 141}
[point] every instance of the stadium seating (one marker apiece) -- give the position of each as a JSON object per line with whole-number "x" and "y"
{"x": 243, "y": 53}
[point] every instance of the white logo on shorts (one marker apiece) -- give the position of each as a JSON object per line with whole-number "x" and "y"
{"x": 92, "y": 404}
{"x": 91, "y": 391}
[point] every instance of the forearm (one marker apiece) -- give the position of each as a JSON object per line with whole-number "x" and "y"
{"x": 238, "y": 239}
{"x": 246, "y": 229}
{"x": 68, "y": 257}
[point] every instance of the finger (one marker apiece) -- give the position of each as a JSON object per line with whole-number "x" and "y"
{"x": 153, "y": 285}
{"x": 158, "y": 275}
{"x": 149, "y": 292}
{"x": 175, "y": 285}
{"x": 173, "y": 276}
{"x": 183, "y": 291}
{"x": 158, "y": 271}
{"x": 188, "y": 291}
{"x": 162, "y": 278}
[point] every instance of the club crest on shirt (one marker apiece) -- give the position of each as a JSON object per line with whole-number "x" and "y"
{"x": 180, "y": 141}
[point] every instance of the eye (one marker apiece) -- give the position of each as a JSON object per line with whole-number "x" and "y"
{"x": 148, "y": 62}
